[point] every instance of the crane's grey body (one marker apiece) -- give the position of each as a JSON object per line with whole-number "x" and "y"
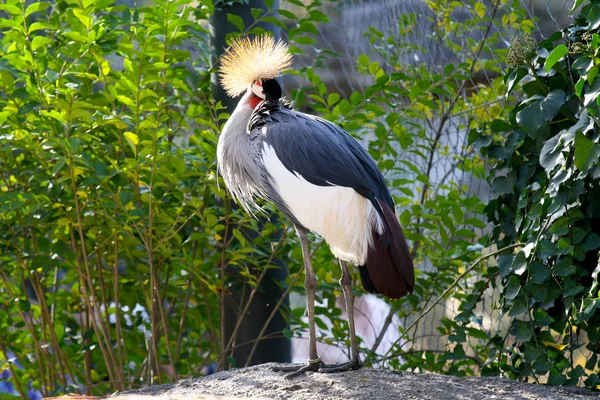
{"x": 281, "y": 147}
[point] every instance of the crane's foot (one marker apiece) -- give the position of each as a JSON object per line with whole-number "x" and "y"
{"x": 297, "y": 370}
{"x": 331, "y": 368}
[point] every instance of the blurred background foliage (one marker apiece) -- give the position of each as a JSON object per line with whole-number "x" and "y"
{"x": 116, "y": 236}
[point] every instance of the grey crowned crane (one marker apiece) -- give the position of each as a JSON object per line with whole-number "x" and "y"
{"x": 317, "y": 175}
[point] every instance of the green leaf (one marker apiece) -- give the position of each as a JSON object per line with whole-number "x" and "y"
{"x": 58, "y": 167}
{"x": 128, "y": 101}
{"x": 459, "y": 353}
{"x": 256, "y": 13}
{"x": 538, "y": 292}
{"x": 37, "y": 26}
{"x": 475, "y": 222}
{"x": 564, "y": 267}
{"x": 82, "y": 16}
{"x": 320, "y": 323}
{"x": 477, "y": 333}
{"x": 40, "y": 41}
{"x": 501, "y": 185}
{"x": 532, "y": 352}
{"x": 231, "y": 361}
{"x": 269, "y": 4}
{"x": 76, "y": 36}
{"x": 592, "y": 74}
{"x": 236, "y": 21}
{"x": 594, "y": 17}
{"x": 571, "y": 288}
{"x": 535, "y": 115}
{"x": 210, "y": 6}
{"x": 356, "y": 98}
{"x": 332, "y": 99}
{"x": 521, "y": 330}
{"x": 583, "y": 63}
{"x": 363, "y": 60}
{"x": 479, "y": 9}
{"x": 576, "y": 4}
{"x": 133, "y": 140}
{"x": 591, "y": 362}
{"x": 591, "y": 242}
{"x": 304, "y": 40}
{"x": 519, "y": 305}
{"x": 541, "y": 365}
{"x": 36, "y": 7}
{"x": 499, "y": 125}
{"x": 560, "y": 227}
{"x": 579, "y": 86}
{"x": 512, "y": 288}
{"x": 504, "y": 264}
{"x": 287, "y": 14}
{"x": 240, "y": 236}
{"x": 592, "y": 93}
{"x": 519, "y": 264}
{"x": 275, "y": 21}
{"x": 317, "y": 16}
{"x": 54, "y": 114}
{"x": 11, "y": 9}
{"x": 586, "y": 152}
{"x": 555, "y": 55}
{"x": 514, "y": 78}
{"x": 541, "y": 317}
{"x": 556, "y": 378}
{"x": 24, "y": 305}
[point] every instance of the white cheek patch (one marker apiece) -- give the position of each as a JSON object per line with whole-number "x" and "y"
{"x": 258, "y": 90}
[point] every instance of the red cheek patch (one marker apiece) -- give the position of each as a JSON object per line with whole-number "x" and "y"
{"x": 254, "y": 101}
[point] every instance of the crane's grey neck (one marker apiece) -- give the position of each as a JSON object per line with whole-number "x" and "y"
{"x": 237, "y": 124}
{"x": 239, "y": 157}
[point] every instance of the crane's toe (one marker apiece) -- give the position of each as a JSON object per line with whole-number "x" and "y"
{"x": 331, "y": 368}
{"x": 299, "y": 369}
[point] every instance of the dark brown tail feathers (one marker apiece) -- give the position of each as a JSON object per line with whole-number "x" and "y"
{"x": 389, "y": 268}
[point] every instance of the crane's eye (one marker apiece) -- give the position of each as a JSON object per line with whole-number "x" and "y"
{"x": 257, "y": 89}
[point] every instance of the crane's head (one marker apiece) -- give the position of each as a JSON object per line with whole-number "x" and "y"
{"x": 251, "y": 66}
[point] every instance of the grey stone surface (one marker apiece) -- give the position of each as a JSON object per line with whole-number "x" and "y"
{"x": 261, "y": 382}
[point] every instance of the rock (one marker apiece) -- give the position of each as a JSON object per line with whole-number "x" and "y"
{"x": 260, "y": 382}
{"x": 185, "y": 397}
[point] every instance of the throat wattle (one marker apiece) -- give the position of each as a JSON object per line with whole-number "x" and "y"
{"x": 255, "y": 101}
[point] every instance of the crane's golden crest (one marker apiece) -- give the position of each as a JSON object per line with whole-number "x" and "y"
{"x": 248, "y": 60}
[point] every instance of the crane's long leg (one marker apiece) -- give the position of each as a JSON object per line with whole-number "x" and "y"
{"x": 310, "y": 284}
{"x": 354, "y": 363}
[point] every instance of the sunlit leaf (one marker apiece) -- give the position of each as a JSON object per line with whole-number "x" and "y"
{"x": 587, "y": 153}
{"x": 38, "y": 6}
{"x": 555, "y": 55}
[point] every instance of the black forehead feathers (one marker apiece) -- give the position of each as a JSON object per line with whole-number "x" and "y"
{"x": 272, "y": 89}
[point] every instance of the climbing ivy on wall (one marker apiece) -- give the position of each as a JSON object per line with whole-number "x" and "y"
{"x": 545, "y": 170}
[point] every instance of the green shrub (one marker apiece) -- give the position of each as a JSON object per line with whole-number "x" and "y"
{"x": 107, "y": 194}
{"x": 545, "y": 170}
